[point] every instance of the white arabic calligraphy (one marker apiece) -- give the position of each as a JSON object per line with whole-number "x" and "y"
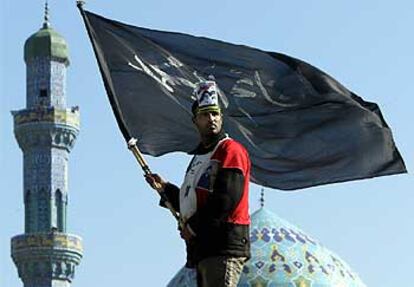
{"x": 163, "y": 78}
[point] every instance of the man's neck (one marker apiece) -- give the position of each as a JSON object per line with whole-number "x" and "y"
{"x": 209, "y": 142}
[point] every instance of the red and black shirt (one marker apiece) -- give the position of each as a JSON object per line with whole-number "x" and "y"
{"x": 213, "y": 200}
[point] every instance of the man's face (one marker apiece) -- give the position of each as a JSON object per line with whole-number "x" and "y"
{"x": 208, "y": 123}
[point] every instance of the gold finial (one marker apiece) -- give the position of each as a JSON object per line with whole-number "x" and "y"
{"x": 262, "y": 198}
{"x": 46, "y": 23}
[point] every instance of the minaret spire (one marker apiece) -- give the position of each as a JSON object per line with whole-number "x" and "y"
{"x": 262, "y": 198}
{"x": 46, "y": 23}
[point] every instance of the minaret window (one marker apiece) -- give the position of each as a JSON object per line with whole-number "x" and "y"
{"x": 43, "y": 93}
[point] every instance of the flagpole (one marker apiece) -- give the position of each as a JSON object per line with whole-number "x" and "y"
{"x": 133, "y": 147}
{"x": 132, "y": 142}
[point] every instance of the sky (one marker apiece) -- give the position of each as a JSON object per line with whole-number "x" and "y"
{"x": 130, "y": 241}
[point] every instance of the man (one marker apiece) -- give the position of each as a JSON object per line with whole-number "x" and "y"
{"x": 213, "y": 200}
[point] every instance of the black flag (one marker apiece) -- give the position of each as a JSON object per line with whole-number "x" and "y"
{"x": 301, "y": 127}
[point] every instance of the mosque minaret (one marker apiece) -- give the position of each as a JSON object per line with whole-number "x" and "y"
{"x": 46, "y": 130}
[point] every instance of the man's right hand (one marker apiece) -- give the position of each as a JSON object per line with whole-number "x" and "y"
{"x": 156, "y": 182}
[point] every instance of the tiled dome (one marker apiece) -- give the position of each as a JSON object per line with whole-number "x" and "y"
{"x": 284, "y": 256}
{"x": 186, "y": 277}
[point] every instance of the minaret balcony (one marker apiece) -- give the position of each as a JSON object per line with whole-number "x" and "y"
{"x": 68, "y": 117}
{"x": 43, "y": 256}
{"x": 46, "y": 127}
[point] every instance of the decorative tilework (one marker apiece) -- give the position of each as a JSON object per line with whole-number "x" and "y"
{"x": 58, "y": 84}
{"x": 46, "y": 256}
{"x": 38, "y": 74}
{"x": 185, "y": 277}
{"x": 44, "y": 74}
{"x": 47, "y": 240}
{"x": 284, "y": 256}
{"x": 68, "y": 117}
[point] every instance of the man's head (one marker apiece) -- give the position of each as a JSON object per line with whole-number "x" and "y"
{"x": 206, "y": 109}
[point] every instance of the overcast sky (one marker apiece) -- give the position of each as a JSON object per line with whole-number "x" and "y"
{"x": 129, "y": 241}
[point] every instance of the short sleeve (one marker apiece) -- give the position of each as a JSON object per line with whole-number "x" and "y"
{"x": 231, "y": 154}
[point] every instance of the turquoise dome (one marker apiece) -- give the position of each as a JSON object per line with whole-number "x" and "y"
{"x": 185, "y": 277}
{"x": 284, "y": 256}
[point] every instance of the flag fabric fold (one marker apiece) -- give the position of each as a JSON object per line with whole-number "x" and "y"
{"x": 301, "y": 127}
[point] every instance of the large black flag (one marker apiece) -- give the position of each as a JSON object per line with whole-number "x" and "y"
{"x": 301, "y": 127}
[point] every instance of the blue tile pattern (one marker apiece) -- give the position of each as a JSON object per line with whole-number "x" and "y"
{"x": 284, "y": 256}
